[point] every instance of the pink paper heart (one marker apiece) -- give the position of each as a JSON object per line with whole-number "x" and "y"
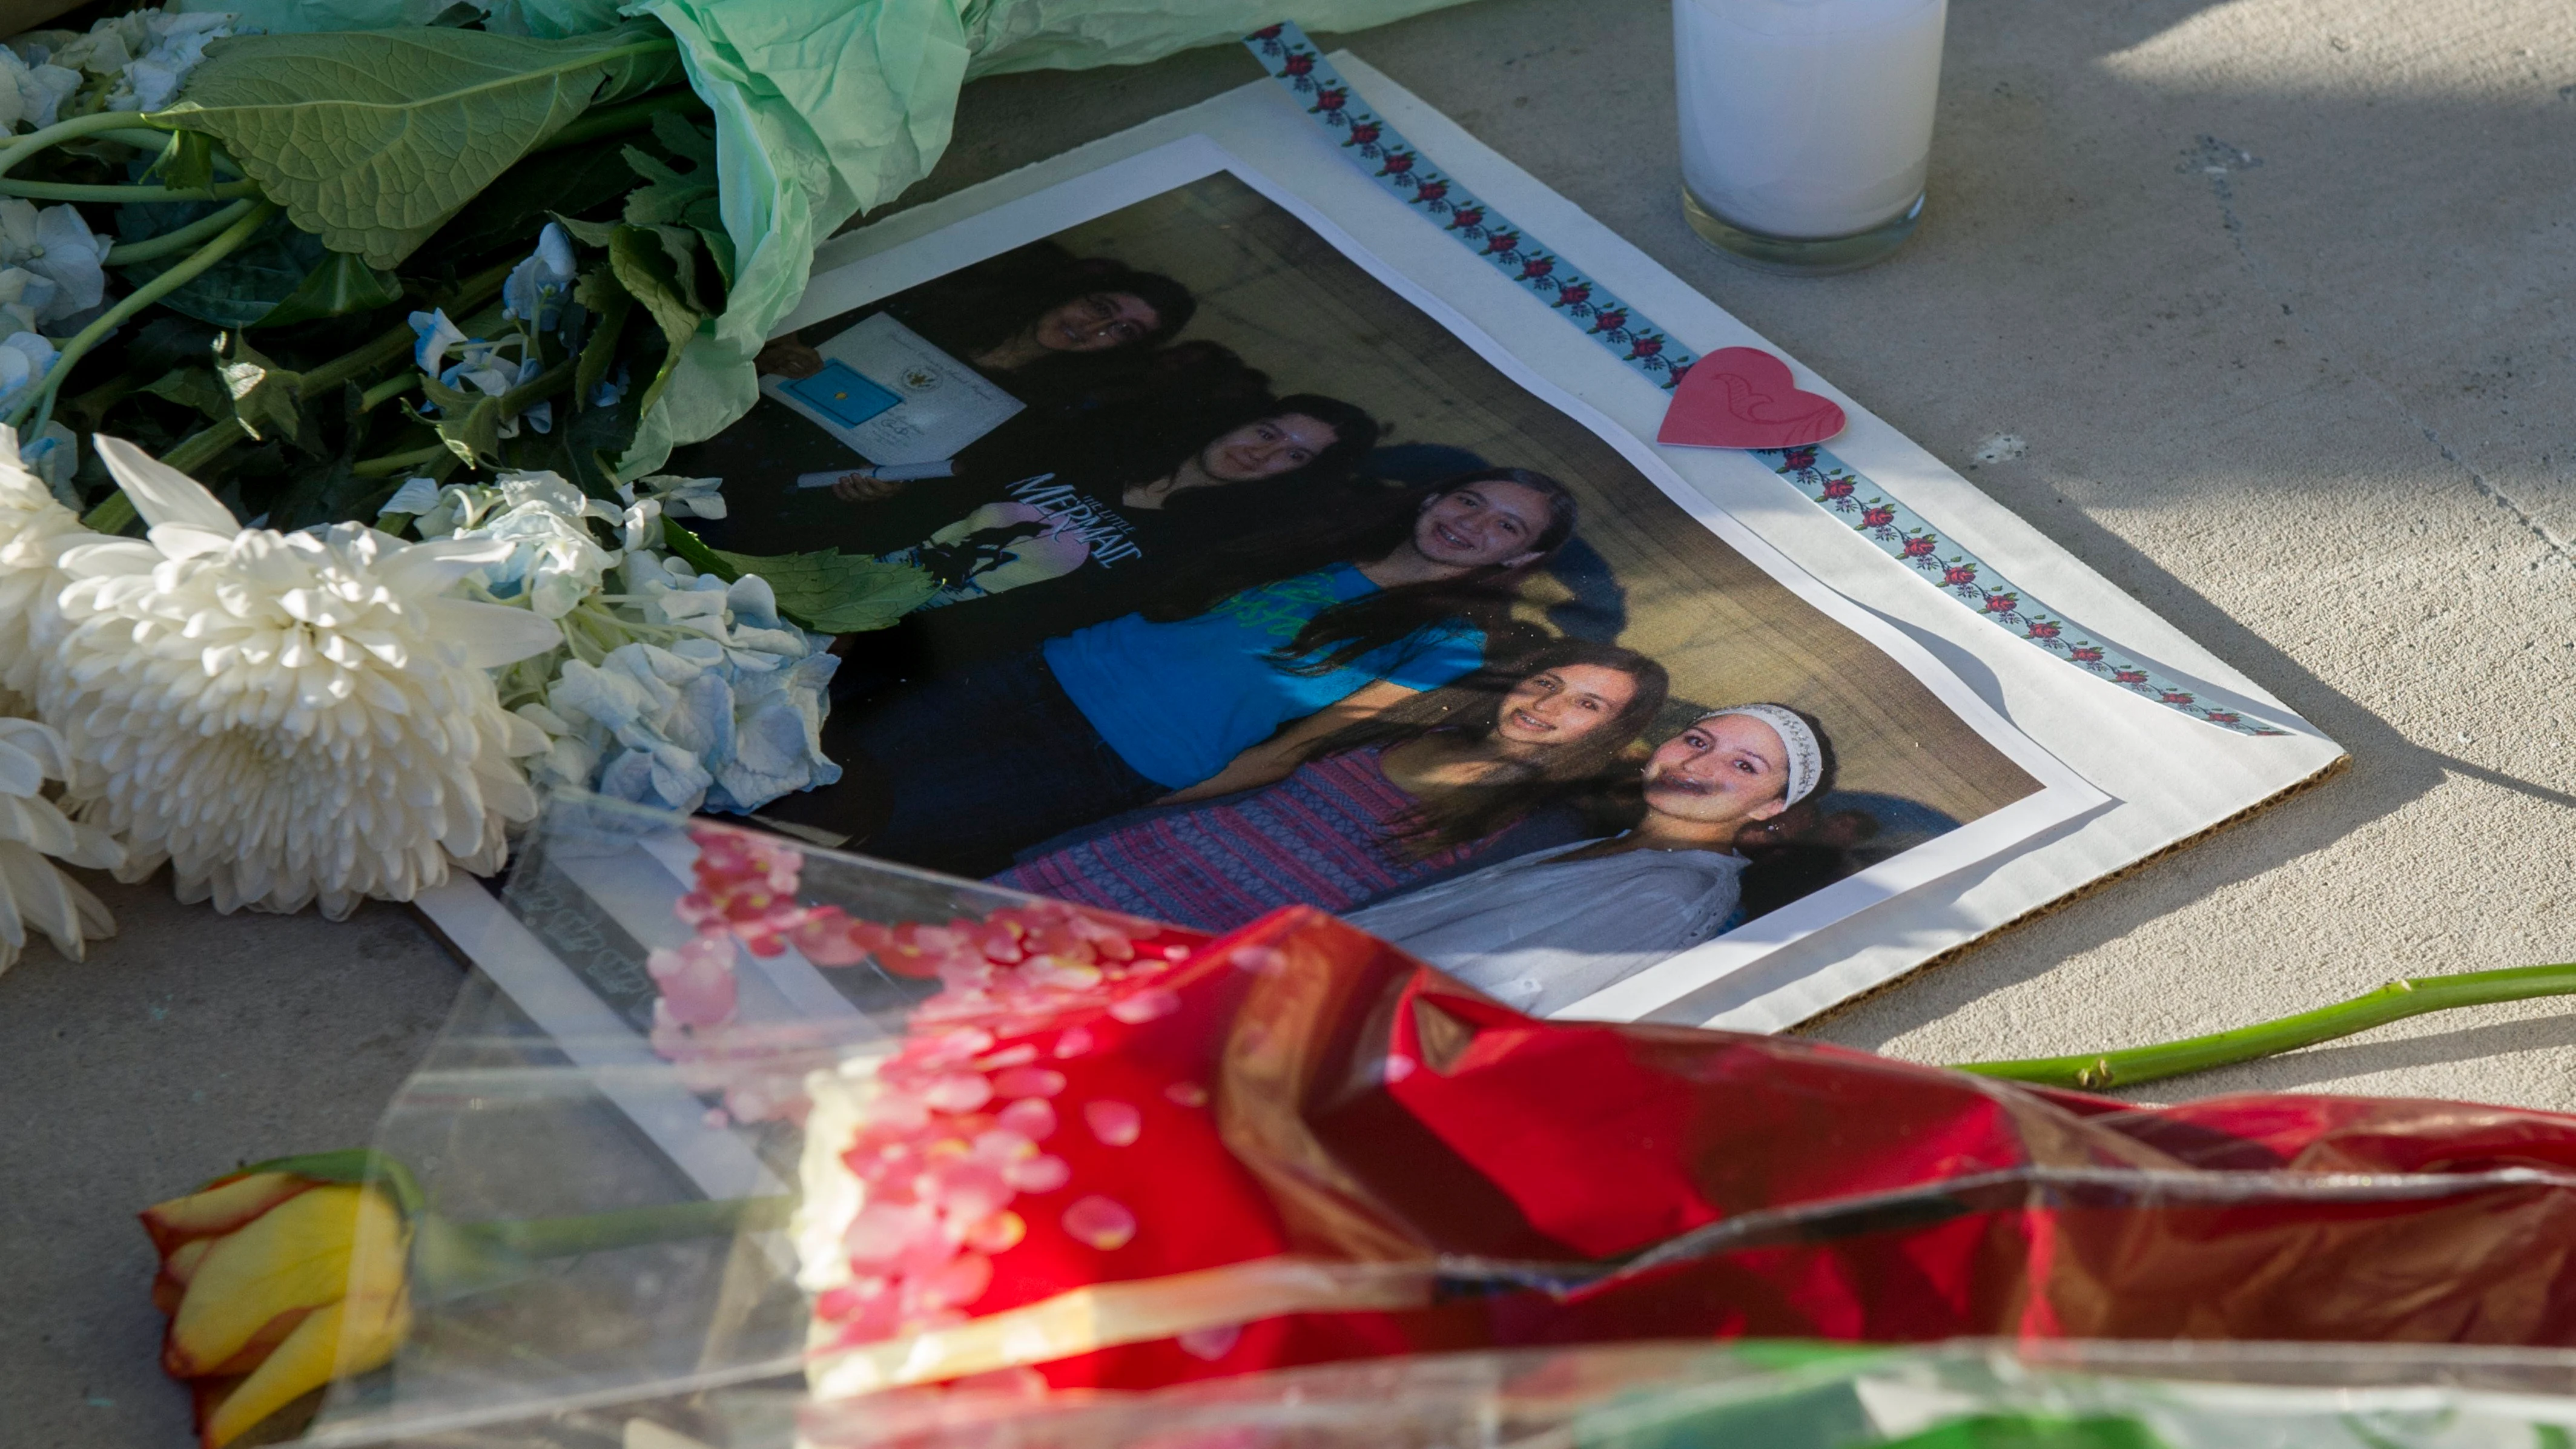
{"x": 1743, "y": 397}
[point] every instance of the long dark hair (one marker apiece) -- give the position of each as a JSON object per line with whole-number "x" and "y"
{"x": 990, "y": 302}
{"x": 1374, "y": 527}
{"x": 1471, "y": 707}
{"x": 1354, "y": 435}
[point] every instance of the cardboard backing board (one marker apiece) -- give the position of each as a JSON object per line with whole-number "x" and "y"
{"x": 2127, "y": 780}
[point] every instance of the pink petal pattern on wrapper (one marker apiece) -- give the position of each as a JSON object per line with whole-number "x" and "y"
{"x": 1140, "y": 1007}
{"x": 958, "y": 1092}
{"x": 997, "y": 1234}
{"x": 696, "y": 980}
{"x": 1211, "y": 1344}
{"x": 1028, "y": 1082}
{"x": 1116, "y": 1124}
{"x": 1101, "y": 1222}
{"x": 1040, "y": 1174}
{"x": 1258, "y": 958}
{"x": 1031, "y": 1117}
{"x": 948, "y": 1137}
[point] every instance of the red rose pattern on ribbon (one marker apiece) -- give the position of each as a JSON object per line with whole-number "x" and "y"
{"x": 1902, "y": 535}
{"x": 1388, "y": 159}
{"x": 1398, "y": 167}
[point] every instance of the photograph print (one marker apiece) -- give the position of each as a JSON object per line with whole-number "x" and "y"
{"x": 1255, "y": 585}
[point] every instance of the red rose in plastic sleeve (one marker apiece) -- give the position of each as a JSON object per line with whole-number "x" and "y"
{"x": 1094, "y": 1164}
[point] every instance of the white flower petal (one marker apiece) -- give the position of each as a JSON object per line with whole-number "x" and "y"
{"x": 161, "y": 493}
{"x": 490, "y": 635}
{"x": 415, "y": 496}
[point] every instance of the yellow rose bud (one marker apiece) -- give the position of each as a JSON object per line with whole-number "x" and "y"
{"x": 281, "y": 1281}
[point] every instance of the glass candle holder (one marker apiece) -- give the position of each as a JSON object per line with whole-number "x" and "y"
{"x": 1806, "y": 125}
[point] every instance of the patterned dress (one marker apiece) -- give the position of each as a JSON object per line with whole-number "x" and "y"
{"x": 1322, "y": 837}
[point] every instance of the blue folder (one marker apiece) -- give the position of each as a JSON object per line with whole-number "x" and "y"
{"x": 841, "y": 394}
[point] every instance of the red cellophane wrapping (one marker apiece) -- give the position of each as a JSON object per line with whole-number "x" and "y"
{"x": 1297, "y": 1145}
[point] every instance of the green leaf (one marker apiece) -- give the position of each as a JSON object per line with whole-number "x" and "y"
{"x": 599, "y": 353}
{"x": 658, "y": 177}
{"x": 330, "y": 493}
{"x": 680, "y": 244}
{"x": 681, "y": 137}
{"x": 195, "y": 387}
{"x": 642, "y": 261}
{"x": 572, "y": 180}
{"x": 827, "y": 591}
{"x": 372, "y": 139}
{"x": 585, "y": 447}
{"x": 589, "y": 233}
{"x": 237, "y": 291}
{"x": 679, "y": 540}
{"x": 266, "y": 398}
{"x": 469, "y": 423}
{"x": 719, "y": 244}
{"x": 323, "y": 494}
{"x": 666, "y": 195}
{"x": 341, "y": 285}
{"x": 186, "y": 163}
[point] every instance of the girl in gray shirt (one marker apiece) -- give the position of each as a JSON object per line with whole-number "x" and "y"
{"x": 1547, "y": 930}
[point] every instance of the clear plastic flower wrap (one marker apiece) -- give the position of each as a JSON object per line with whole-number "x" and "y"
{"x": 755, "y": 1145}
{"x": 605, "y": 1137}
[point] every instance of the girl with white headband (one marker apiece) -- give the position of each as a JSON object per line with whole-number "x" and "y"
{"x": 1546, "y": 930}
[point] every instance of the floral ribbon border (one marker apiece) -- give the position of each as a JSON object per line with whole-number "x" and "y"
{"x": 1827, "y": 481}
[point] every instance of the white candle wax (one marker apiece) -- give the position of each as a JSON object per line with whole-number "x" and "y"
{"x": 1807, "y": 118}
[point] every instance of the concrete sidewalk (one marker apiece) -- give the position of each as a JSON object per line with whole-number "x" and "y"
{"x": 2263, "y": 308}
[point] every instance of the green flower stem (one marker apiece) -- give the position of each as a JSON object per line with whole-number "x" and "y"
{"x": 2396, "y": 1001}
{"x": 627, "y": 1227}
{"x": 512, "y": 403}
{"x": 594, "y": 629}
{"x": 113, "y": 515}
{"x": 452, "y": 1257}
{"x": 61, "y": 131}
{"x": 141, "y": 138}
{"x": 180, "y": 240}
{"x": 66, "y": 191}
{"x": 617, "y": 120}
{"x": 536, "y": 389}
{"x": 397, "y": 342}
{"x": 147, "y": 138}
{"x": 40, "y": 402}
{"x": 392, "y": 463}
{"x": 207, "y": 444}
{"x": 387, "y": 390}
{"x": 204, "y": 446}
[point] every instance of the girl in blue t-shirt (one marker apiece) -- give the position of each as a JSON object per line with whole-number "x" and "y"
{"x": 1248, "y": 659}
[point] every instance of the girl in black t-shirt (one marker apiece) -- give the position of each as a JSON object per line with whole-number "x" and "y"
{"x": 1055, "y": 550}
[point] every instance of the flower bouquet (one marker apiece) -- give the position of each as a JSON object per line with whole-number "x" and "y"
{"x": 396, "y": 321}
{"x": 1039, "y": 1155}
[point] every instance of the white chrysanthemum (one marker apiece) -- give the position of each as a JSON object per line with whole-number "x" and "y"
{"x": 33, "y": 891}
{"x": 285, "y": 718}
{"x": 34, "y": 531}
